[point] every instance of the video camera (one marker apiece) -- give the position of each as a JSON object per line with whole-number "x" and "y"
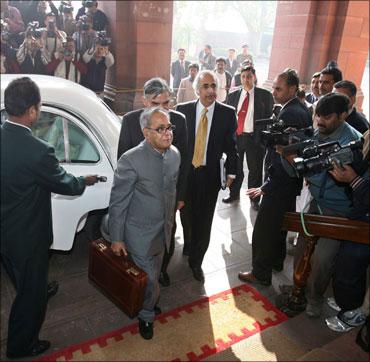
{"x": 88, "y": 3}
{"x": 34, "y": 30}
{"x": 65, "y": 7}
{"x": 102, "y": 39}
{"x": 318, "y": 158}
{"x": 82, "y": 23}
{"x": 280, "y": 133}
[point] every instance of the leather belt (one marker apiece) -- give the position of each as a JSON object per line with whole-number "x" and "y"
{"x": 246, "y": 134}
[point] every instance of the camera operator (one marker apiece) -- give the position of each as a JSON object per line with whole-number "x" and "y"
{"x": 279, "y": 190}
{"x": 98, "y": 60}
{"x": 84, "y": 35}
{"x": 67, "y": 64}
{"x": 350, "y": 271}
{"x": 13, "y": 18}
{"x": 65, "y": 19}
{"x": 100, "y": 21}
{"x": 32, "y": 55}
{"x": 54, "y": 38}
{"x": 329, "y": 197}
{"x": 9, "y": 62}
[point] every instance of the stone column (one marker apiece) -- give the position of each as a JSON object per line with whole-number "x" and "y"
{"x": 141, "y": 34}
{"x": 308, "y": 34}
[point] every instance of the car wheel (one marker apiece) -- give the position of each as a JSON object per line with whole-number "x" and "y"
{"x": 92, "y": 226}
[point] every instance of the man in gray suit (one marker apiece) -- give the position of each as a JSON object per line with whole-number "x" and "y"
{"x": 142, "y": 204}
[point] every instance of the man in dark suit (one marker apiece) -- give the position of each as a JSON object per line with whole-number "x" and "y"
{"x": 355, "y": 119}
{"x": 251, "y": 103}
{"x": 231, "y": 62}
{"x": 29, "y": 173}
{"x": 157, "y": 94}
{"x": 179, "y": 69}
{"x": 279, "y": 190}
{"x": 206, "y": 59}
{"x": 211, "y": 130}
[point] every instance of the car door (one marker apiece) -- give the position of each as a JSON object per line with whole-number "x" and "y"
{"x": 80, "y": 153}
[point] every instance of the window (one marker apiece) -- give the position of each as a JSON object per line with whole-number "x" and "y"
{"x": 56, "y": 129}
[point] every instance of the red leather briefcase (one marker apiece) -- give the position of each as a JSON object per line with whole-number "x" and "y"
{"x": 118, "y": 277}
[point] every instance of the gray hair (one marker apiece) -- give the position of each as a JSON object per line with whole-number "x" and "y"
{"x": 200, "y": 76}
{"x": 146, "y": 116}
{"x": 156, "y": 86}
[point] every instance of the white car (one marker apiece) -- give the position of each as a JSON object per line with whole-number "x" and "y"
{"x": 84, "y": 132}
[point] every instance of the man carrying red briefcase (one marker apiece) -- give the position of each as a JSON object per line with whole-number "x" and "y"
{"x": 142, "y": 205}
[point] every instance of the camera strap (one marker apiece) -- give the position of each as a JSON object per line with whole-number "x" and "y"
{"x": 302, "y": 217}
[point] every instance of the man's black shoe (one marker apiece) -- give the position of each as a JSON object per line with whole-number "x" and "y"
{"x": 230, "y": 199}
{"x": 255, "y": 205}
{"x": 146, "y": 329}
{"x": 164, "y": 279}
{"x": 198, "y": 273}
{"x": 157, "y": 310}
{"x": 38, "y": 348}
{"x": 52, "y": 289}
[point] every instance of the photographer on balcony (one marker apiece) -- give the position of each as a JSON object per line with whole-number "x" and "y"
{"x": 67, "y": 64}
{"x": 98, "y": 59}
{"x": 279, "y": 190}
{"x": 90, "y": 7}
{"x": 32, "y": 55}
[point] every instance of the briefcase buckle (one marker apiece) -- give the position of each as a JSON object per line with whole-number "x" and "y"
{"x": 133, "y": 271}
{"x": 101, "y": 246}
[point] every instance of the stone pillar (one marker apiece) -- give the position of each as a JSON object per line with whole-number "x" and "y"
{"x": 141, "y": 34}
{"x": 308, "y": 34}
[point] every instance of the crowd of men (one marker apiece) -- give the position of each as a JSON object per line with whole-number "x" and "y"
{"x": 169, "y": 160}
{"x": 38, "y": 38}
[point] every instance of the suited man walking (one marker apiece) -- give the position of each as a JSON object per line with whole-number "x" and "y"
{"x": 157, "y": 94}
{"x": 251, "y": 103}
{"x": 231, "y": 62}
{"x": 142, "y": 204}
{"x": 179, "y": 69}
{"x": 29, "y": 173}
{"x": 211, "y": 131}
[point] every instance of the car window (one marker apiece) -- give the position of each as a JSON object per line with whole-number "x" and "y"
{"x": 54, "y": 128}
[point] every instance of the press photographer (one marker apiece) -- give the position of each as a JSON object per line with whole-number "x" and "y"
{"x": 32, "y": 55}
{"x": 54, "y": 38}
{"x": 65, "y": 18}
{"x": 13, "y": 19}
{"x": 9, "y": 62}
{"x": 98, "y": 60}
{"x": 90, "y": 7}
{"x": 84, "y": 35}
{"x": 330, "y": 197}
{"x": 279, "y": 190}
{"x": 67, "y": 64}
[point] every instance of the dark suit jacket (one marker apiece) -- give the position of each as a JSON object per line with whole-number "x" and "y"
{"x": 29, "y": 173}
{"x": 178, "y": 72}
{"x": 221, "y": 140}
{"x": 263, "y": 104}
{"x": 231, "y": 69}
{"x": 131, "y": 135}
{"x": 358, "y": 121}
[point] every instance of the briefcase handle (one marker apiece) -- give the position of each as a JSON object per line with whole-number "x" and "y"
{"x": 101, "y": 244}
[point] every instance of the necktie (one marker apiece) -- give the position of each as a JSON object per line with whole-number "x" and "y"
{"x": 200, "y": 140}
{"x": 182, "y": 66}
{"x": 242, "y": 114}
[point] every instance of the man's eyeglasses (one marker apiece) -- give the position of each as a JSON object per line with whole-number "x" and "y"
{"x": 162, "y": 129}
{"x": 206, "y": 85}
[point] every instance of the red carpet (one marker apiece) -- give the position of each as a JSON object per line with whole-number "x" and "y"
{"x": 191, "y": 332}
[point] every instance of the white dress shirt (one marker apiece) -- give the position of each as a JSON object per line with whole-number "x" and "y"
{"x": 221, "y": 90}
{"x": 209, "y": 115}
{"x": 248, "y": 124}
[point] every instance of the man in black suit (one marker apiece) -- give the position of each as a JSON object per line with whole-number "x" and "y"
{"x": 258, "y": 104}
{"x": 355, "y": 119}
{"x": 29, "y": 173}
{"x": 211, "y": 130}
{"x": 179, "y": 69}
{"x": 279, "y": 190}
{"x": 231, "y": 62}
{"x": 157, "y": 94}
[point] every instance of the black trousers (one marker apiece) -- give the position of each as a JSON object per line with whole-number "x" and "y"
{"x": 30, "y": 279}
{"x": 254, "y": 153}
{"x": 198, "y": 212}
{"x": 169, "y": 253}
{"x": 349, "y": 279}
{"x": 268, "y": 240}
